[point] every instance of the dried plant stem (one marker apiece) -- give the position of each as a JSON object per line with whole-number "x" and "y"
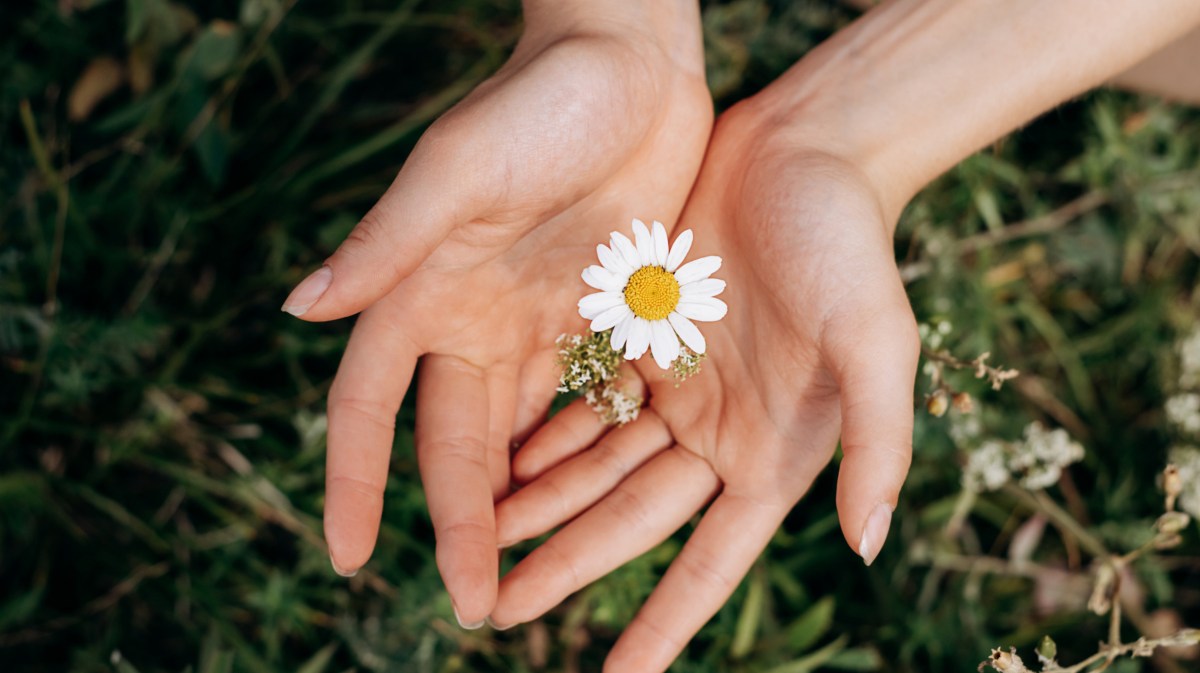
{"x": 1062, "y": 519}
{"x": 995, "y": 375}
{"x": 1113, "y": 651}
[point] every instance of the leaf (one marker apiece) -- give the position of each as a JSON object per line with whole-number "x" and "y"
{"x": 812, "y": 625}
{"x": 857, "y": 659}
{"x": 99, "y": 80}
{"x": 214, "y": 51}
{"x": 750, "y": 617}
{"x": 813, "y": 661}
{"x": 319, "y": 661}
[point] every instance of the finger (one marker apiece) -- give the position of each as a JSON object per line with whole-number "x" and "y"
{"x": 502, "y": 408}
{"x": 570, "y": 431}
{"x": 428, "y": 198}
{"x": 366, "y": 394}
{"x": 725, "y": 545}
{"x": 538, "y": 385}
{"x": 875, "y": 373}
{"x": 568, "y": 489}
{"x": 642, "y": 512}
{"x": 451, "y": 437}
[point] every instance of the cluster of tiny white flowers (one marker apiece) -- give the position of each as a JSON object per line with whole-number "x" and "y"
{"x": 1187, "y": 460}
{"x": 1037, "y": 460}
{"x": 933, "y": 335}
{"x": 1183, "y": 411}
{"x": 987, "y": 467}
{"x": 1043, "y": 455}
{"x": 585, "y": 361}
{"x": 614, "y": 405}
{"x": 965, "y": 428}
{"x": 1188, "y": 349}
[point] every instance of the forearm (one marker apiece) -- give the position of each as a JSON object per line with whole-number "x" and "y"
{"x": 1172, "y": 72}
{"x": 916, "y": 85}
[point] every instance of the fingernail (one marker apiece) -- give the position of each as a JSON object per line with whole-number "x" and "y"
{"x": 470, "y": 627}
{"x": 496, "y": 626}
{"x": 875, "y": 532}
{"x": 308, "y": 292}
{"x": 336, "y": 569}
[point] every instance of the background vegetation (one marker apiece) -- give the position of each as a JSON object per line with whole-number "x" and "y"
{"x": 169, "y": 170}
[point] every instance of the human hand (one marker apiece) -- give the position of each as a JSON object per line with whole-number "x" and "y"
{"x": 819, "y": 341}
{"x": 468, "y": 260}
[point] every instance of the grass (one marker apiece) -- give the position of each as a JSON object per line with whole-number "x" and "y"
{"x": 161, "y": 422}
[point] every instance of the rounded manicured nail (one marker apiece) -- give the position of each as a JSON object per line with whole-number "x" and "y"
{"x": 470, "y": 627}
{"x": 496, "y": 626}
{"x": 875, "y": 532}
{"x": 336, "y": 569}
{"x": 308, "y": 292}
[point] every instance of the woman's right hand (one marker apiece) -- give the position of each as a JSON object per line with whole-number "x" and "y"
{"x": 471, "y": 257}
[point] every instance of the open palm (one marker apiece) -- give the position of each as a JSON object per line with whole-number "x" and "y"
{"x": 819, "y": 342}
{"x": 466, "y": 261}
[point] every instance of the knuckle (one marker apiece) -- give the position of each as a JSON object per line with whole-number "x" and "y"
{"x": 464, "y": 448}
{"x": 699, "y": 571}
{"x": 358, "y": 485}
{"x": 629, "y": 508}
{"x": 465, "y": 531}
{"x": 608, "y": 458}
{"x": 372, "y": 411}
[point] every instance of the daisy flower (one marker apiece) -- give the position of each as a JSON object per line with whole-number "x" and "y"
{"x": 647, "y": 298}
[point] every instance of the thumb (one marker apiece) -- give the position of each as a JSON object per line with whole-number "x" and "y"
{"x": 404, "y": 227}
{"x": 875, "y": 369}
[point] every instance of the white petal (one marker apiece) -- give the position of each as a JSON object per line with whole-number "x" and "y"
{"x": 610, "y": 318}
{"x": 683, "y": 243}
{"x": 624, "y": 246}
{"x": 639, "y": 339}
{"x": 659, "y": 234}
{"x": 704, "y": 309}
{"x": 645, "y": 244}
{"x": 595, "y": 304}
{"x": 613, "y": 261}
{"x": 697, "y": 269}
{"x": 664, "y": 345}
{"x": 620, "y": 333}
{"x": 709, "y": 287}
{"x": 688, "y": 332}
{"x": 603, "y": 279}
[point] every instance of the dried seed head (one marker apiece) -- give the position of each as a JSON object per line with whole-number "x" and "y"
{"x": 963, "y": 403}
{"x": 937, "y": 403}
{"x": 1005, "y": 662}
{"x": 1172, "y": 523}
{"x": 1102, "y": 593}
{"x": 1172, "y": 484}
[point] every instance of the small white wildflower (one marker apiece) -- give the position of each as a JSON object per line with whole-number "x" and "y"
{"x": 1187, "y": 461}
{"x": 1037, "y": 460}
{"x": 987, "y": 467}
{"x": 1188, "y": 349}
{"x": 615, "y": 406}
{"x": 964, "y": 428}
{"x": 1043, "y": 454}
{"x": 1183, "y": 411}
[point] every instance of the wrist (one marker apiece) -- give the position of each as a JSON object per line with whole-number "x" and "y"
{"x": 671, "y": 27}
{"x": 915, "y": 86}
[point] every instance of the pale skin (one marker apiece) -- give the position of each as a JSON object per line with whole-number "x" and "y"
{"x": 599, "y": 108}
{"x": 800, "y": 191}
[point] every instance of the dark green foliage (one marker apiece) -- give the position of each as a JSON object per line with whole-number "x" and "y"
{"x": 161, "y": 422}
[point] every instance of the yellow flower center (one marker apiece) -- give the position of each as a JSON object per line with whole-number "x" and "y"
{"x": 652, "y": 293}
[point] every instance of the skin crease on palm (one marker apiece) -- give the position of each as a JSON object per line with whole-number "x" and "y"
{"x": 462, "y": 262}
{"x": 817, "y": 345}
